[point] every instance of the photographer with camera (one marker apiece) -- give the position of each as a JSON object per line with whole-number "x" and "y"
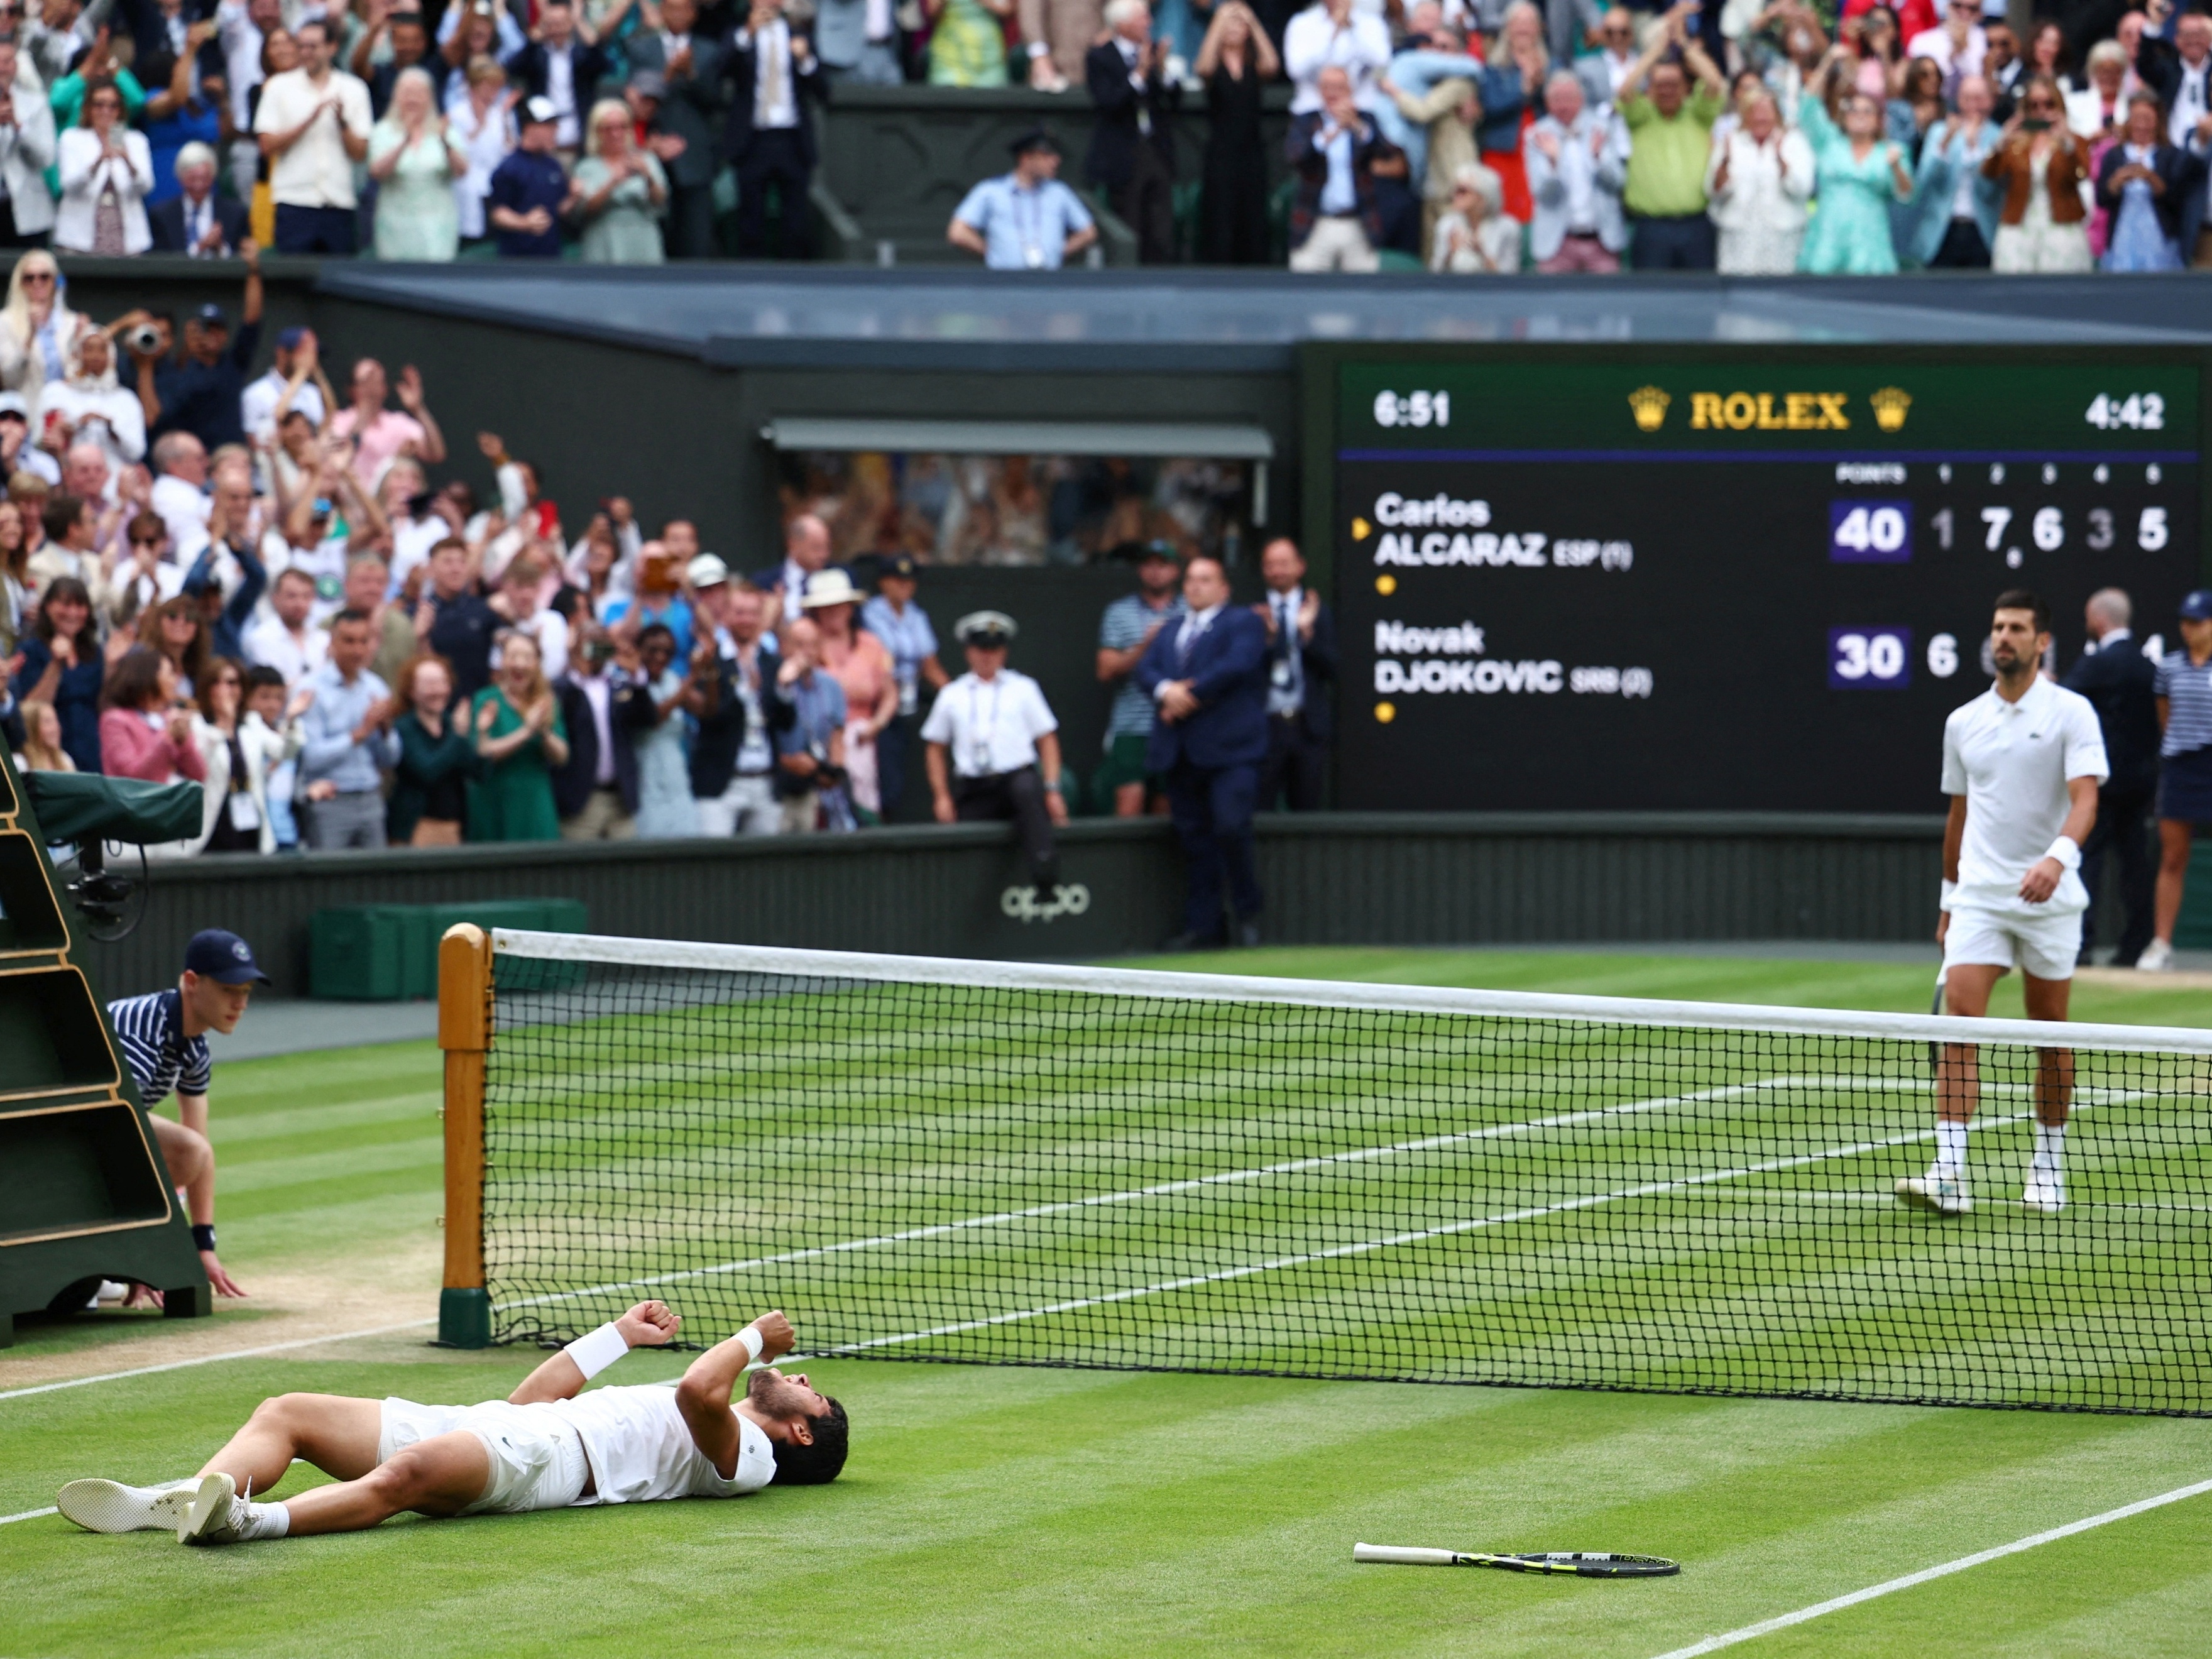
{"x": 811, "y": 751}
{"x": 200, "y": 392}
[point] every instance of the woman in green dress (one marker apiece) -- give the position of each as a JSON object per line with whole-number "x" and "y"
{"x": 619, "y": 193}
{"x": 520, "y": 737}
{"x": 1860, "y": 174}
{"x": 415, "y": 160}
{"x": 967, "y": 42}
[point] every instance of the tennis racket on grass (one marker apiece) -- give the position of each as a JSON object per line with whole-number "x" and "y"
{"x": 1576, "y": 1564}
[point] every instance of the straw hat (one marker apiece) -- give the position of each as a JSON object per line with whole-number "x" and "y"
{"x": 829, "y": 588}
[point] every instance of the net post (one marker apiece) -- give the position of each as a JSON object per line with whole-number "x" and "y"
{"x": 464, "y": 1033}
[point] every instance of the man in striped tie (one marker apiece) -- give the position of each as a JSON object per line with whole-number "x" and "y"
{"x": 1301, "y": 667}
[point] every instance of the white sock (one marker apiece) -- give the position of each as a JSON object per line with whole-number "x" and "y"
{"x": 266, "y": 1520}
{"x": 2050, "y": 1147}
{"x": 1951, "y": 1149}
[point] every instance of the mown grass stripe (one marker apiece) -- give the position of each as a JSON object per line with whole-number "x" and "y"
{"x": 1926, "y": 1575}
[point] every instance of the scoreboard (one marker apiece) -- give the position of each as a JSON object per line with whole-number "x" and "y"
{"x": 1751, "y": 579}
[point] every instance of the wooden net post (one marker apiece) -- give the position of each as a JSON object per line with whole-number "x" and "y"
{"x": 465, "y": 1027}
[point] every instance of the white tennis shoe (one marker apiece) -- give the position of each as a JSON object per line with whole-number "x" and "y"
{"x": 215, "y": 1515}
{"x": 2157, "y": 957}
{"x": 110, "y": 1506}
{"x": 2045, "y": 1192}
{"x": 1944, "y": 1194}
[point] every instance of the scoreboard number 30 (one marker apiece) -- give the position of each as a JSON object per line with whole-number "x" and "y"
{"x": 1870, "y": 659}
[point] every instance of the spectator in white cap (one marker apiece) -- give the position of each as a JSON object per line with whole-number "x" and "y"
{"x": 524, "y": 195}
{"x": 992, "y": 746}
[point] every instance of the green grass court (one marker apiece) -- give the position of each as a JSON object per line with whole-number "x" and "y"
{"x": 1002, "y": 1511}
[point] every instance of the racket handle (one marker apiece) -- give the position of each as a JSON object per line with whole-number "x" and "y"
{"x": 1398, "y": 1556}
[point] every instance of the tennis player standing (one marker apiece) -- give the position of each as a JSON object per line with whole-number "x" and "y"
{"x": 2021, "y": 763}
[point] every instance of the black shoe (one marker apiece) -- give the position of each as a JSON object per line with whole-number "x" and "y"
{"x": 1187, "y": 940}
{"x": 1248, "y": 935}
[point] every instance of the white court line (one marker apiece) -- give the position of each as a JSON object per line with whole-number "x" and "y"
{"x": 1169, "y": 1188}
{"x": 210, "y": 1359}
{"x": 1766, "y": 1626}
{"x": 1505, "y": 1218}
{"x": 28, "y": 1515}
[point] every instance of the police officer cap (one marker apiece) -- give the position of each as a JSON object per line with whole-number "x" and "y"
{"x": 2198, "y": 607}
{"x": 988, "y": 628}
{"x": 1035, "y": 138}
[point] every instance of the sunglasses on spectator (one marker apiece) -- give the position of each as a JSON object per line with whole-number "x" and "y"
{"x": 145, "y": 541}
{"x": 37, "y": 276}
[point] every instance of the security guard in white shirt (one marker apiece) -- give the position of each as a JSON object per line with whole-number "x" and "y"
{"x": 2021, "y": 763}
{"x": 992, "y": 746}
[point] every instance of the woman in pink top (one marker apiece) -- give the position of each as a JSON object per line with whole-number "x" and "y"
{"x": 861, "y": 665}
{"x": 143, "y": 733}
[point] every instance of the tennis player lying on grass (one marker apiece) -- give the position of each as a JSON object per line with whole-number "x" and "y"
{"x": 547, "y": 1446}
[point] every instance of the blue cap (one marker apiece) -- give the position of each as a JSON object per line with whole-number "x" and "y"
{"x": 2198, "y": 606}
{"x": 224, "y": 957}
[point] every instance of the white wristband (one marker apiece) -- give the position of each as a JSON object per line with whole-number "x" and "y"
{"x": 595, "y": 1351}
{"x": 751, "y": 1339}
{"x": 2067, "y": 851}
{"x": 1943, "y": 901}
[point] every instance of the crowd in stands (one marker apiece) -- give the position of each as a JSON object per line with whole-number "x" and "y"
{"x": 277, "y": 590}
{"x": 1761, "y": 136}
{"x": 1475, "y": 136}
{"x": 255, "y": 586}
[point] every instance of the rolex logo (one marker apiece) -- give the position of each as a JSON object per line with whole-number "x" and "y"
{"x": 1890, "y": 408}
{"x": 1648, "y": 403}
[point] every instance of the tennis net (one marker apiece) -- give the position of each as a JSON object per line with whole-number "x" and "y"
{"x": 978, "y": 1162}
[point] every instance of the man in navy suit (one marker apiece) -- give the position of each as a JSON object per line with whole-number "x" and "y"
{"x": 1301, "y": 670}
{"x": 197, "y": 220}
{"x": 1208, "y": 676}
{"x": 2119, "y": 682}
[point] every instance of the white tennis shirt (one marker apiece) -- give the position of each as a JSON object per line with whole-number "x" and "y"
{"x": 990, "y": 725}
{"x": 2012, "y": 761}
{"x": 642, "y": 1449}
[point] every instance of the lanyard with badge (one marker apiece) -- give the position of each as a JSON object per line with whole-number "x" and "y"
{"x": 981, "y": 735}
{"x": 1032, "y": 235}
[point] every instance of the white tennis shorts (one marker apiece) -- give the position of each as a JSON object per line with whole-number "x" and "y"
{"x": 537, "y": 1456}
{"x": 2045, "y": 946}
